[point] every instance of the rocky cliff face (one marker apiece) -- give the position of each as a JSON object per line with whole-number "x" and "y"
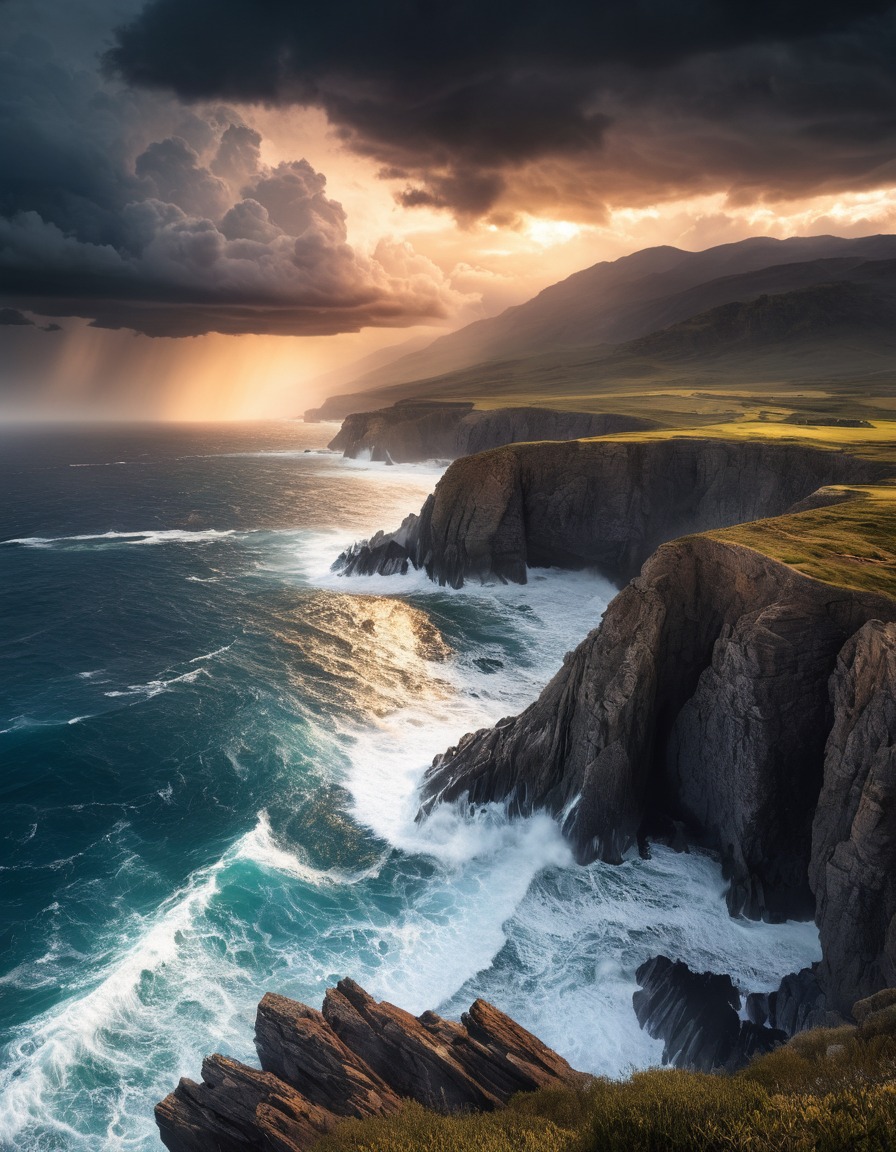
{"x": 404, "y": 433}
{"x": 412, "y": 431}
{"x": 702, "y": 696}
{"x": 705, "y": 700}
{"x": 757, "y": 706}
{"x": 853, "y": 866}
{"x": 603, "y": 504}
{"x": 356, "y": 1058}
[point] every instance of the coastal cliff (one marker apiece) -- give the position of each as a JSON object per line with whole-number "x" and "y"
{"x": 605, "y": 504}
{"x": 726, "y": 699}
{"x": 702, "y": 696}
{"x": 355, "y": 1059}
{"x": 419, "y": 430}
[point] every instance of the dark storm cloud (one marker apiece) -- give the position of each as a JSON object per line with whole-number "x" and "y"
{"x": 131, "y": 210}
{"x": 480, "y": 101}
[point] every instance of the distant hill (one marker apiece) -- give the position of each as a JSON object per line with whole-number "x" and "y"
{"x": 838, "y": 331}
{"x": 824, "y": 313}
{"x": 620, "y": 300}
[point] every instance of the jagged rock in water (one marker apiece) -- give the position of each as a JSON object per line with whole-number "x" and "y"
{"x": 357, "y": 1058}
{"x": 384, "y": 554}
{"x": 296, "y": 1043}
{"x": 477, "y": 1064}
{"x": 696, "y": 1017}
{"x": 234, "y": 1108}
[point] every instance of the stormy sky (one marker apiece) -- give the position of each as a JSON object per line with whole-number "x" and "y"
{"x": 279, "y": 168}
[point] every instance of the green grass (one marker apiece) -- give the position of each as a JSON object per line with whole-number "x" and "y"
{"x": 831, "y": 1090}
{"x": 852, "y": 545}
{"x": 875, "y": 443}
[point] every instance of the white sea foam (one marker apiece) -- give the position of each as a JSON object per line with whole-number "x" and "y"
{"x": 87, "y": 1028}
{"x": 212, "y": 655}
{"x": 578, "y": 935}
{"x": 261, "y": 848}
{"x": 155, "y": 687}
{"x": 150, "y": 536}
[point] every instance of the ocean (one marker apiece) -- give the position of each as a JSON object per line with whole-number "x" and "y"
{"x": 210, "y": 749}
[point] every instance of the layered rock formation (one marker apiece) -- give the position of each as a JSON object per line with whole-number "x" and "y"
{"x": 421, "y": 430}
{"x": 603, "y": 504}
{"x": 356, "y": 1058}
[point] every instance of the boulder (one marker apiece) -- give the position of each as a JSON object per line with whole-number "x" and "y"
{"x": 695, "y": 1014}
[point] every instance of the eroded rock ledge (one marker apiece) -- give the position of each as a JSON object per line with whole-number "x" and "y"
{"x": 415, "y": 430}
{"x": 356, "y": 1058}
{"x": 603, "y": 504}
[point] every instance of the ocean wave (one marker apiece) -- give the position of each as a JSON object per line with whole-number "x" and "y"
{"x": 212, "y": 655}
{"x": 142, "y": 537}
{"x": 155, "y": 687}
{"x": 45, "y": 1059}
{"x": 261, "y": 848}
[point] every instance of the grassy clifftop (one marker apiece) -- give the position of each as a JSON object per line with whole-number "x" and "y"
{"x": 871, "y": 440}
{"x": 851, "y": 544}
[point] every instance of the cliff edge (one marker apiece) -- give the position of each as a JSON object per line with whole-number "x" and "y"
{"x": 604, "y": 504}
{"x": 414, "y": 430}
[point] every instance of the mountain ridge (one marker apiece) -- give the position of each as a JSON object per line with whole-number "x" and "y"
{"x": 614, "y": 301}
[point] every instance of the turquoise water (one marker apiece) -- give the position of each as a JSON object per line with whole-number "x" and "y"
{"x": 210, "y": 749}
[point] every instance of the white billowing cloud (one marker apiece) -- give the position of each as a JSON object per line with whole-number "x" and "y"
{"x": 239, "y": 154}
{"x": 173, "y": 170}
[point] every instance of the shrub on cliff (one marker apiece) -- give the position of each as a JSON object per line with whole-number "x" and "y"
{"x": 826, "y": 1091}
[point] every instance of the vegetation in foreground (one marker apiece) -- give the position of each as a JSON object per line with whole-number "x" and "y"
{"x": 829, "y": 1090}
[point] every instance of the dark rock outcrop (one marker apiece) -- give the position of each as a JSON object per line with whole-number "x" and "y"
{"x": 357, "y": 1058}
{"x": 602, "y": 503}
{"x": 415, "y": 430}
{"x": 690, "y": 699}
{"x": 695, "y": 1014}
{"x": 800, "y": 1002}
{"x": 405, "y": 433}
